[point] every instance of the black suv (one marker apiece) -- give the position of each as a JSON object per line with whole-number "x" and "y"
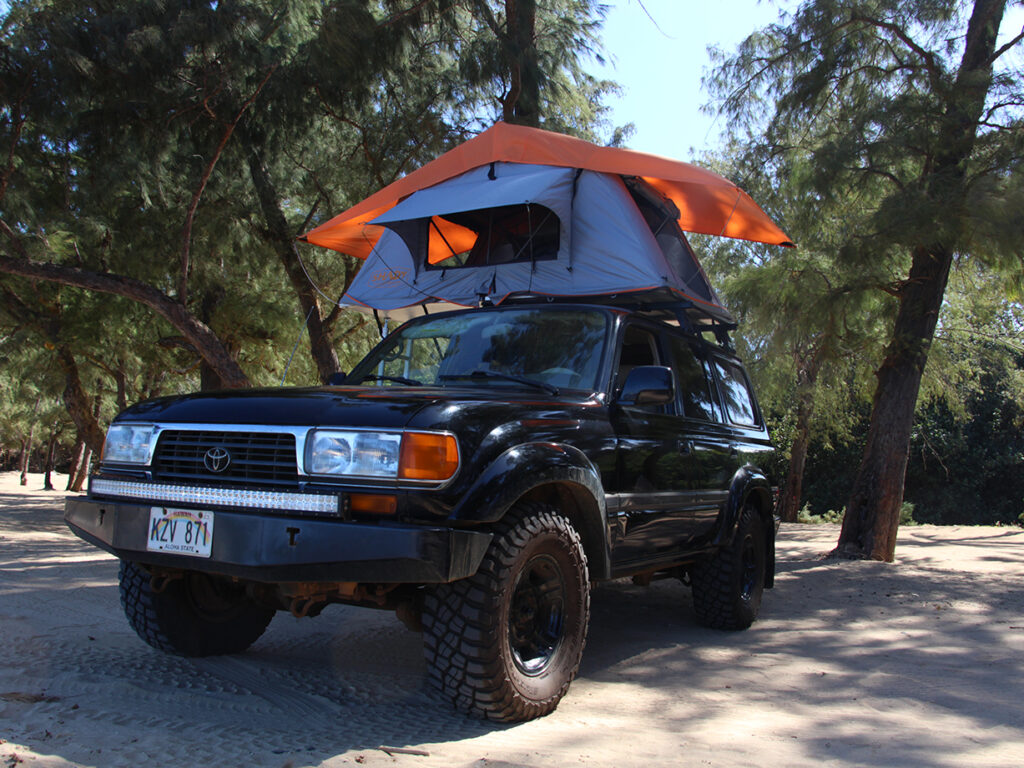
{"x": 475, "y": 472}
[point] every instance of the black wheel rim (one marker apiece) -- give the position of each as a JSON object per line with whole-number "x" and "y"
{"x": 536, "y": 620}
{"x": 748, "y": 568}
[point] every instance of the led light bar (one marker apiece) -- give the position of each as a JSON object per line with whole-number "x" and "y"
{"x": 217, "y": 497}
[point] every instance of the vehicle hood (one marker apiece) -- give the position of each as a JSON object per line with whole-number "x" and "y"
{"x": 340, "y": 406}
{"x": 359, "y": 407}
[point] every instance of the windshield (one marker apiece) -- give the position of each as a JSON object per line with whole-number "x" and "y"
{"x": 557, "y": 347}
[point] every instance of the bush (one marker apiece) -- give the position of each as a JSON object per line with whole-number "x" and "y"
{"x": 831, "y": 516}
{"x": 805, "y": 515}
{"x": 907, "y": 514}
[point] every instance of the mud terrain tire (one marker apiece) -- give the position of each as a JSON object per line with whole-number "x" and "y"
{"x": 197, "y": 615}
{"x": 727, "y": 588}
{"x": 505, "y": 643}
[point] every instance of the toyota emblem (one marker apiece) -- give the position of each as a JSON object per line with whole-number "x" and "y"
{"x": 217, "y": 459}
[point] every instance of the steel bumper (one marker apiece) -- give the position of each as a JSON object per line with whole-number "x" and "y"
{"x": 288, "y": 549}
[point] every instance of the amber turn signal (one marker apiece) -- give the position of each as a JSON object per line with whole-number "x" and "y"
{"x": 372, "y": 504}
{"x": 428, "y": 456}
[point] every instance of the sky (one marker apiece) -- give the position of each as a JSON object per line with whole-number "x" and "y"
{"x": 660, "y": 66}
{"x": 658, "y": 56}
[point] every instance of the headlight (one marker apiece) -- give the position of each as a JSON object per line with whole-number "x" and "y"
{"x": 129, "y": 443}
{"x": 353, "y": 454}
{"x": 418, "y": 456}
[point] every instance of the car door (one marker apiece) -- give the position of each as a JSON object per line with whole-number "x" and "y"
{"x": 736, "y": 436}
{"x": 708, "y": 439}
{"x": 657, "y": 472}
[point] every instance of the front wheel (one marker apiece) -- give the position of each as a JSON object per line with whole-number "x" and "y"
{"x": 506, "y": 642}
{"x": 196, "y": 615}
{"x": 727, "y": 588}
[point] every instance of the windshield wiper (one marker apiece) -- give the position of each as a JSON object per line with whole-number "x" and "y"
{"x": 478, "y": 374}
{"x": 396, "y": 379}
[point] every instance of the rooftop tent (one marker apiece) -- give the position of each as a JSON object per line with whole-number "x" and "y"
{"x": 520, "y": 210}
{"x": 508, "y": 229}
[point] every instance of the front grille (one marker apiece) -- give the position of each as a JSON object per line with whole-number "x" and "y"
{"x": 256, "y": 458}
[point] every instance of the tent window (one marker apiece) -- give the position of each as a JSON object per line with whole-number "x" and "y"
{"x": 508, "y": 234}
{"x": 661, "y": 215}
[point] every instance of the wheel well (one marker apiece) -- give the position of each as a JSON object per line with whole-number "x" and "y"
{"x": 581, "y": 509}
{"x": 760, "y": 499}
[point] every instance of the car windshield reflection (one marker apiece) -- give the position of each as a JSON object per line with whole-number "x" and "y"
{"x": 553, "y": 349}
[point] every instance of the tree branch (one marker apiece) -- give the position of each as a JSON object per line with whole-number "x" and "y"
{"x": 206, "y": 342}
{"x": 1006, "y": 47}
{"x": 933, "y": 68}
{"x": 186, "y": 235}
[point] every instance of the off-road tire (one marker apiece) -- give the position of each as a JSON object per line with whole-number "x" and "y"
{"x": 505, "y": 643}
{"x": 727, "y": 588}
{"x": 197, "y": 615}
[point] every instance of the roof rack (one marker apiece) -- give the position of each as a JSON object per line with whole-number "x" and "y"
{"x": 686, "y": 314}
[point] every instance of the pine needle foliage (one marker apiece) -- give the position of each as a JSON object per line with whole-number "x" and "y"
{"x": 904, "y": 117}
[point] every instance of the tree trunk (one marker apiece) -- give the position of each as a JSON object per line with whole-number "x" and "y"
{"x": 321, "y": 345}
{"x": 522, "y": 105}
{"x": 77, "y": 402}
{"x": 807, "y": 376}
{"x": 873, "y": 510}
{"x": 82, "y": 473}
{"x": 76, "y": 459}
{"x": 793, "y": 488}
{"x": 26, "y": 446}
{"x": 121, "y": 381}
{"x": 83, "y": 468}
{"x": 209, "y": 377}
{"x": 50, "y": 447}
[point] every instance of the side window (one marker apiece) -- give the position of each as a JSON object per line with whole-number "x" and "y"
{"x": 739, "y": 403}
{"x": 638, "y": 348}
{"x": 692, "y": 380}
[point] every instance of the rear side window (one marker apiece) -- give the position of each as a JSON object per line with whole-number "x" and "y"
{"x": 736, "y": 396}
{"x": 692, "y": 380}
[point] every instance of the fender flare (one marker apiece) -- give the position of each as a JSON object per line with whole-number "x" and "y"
{"x": 532, "y": 468}
{"x": 749, "y": 481}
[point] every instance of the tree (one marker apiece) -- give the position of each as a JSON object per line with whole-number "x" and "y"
{"x": 808, "y": 321}
{"x": 968, "y": 433}
{"x": 77, "y": 140}
{"x": 905, "y": 92}
{"x": 527, "y": 60}
{"x": 157, "y": 161}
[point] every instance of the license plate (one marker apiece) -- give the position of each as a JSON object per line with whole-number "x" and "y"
{"x": 180, "y": 531}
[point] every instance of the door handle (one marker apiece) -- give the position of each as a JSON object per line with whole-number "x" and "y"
{"x": 734, "y": 451}
{"x": 684, "y": 446}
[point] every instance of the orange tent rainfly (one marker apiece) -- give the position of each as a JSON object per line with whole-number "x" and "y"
{"x": 708, "y": 203}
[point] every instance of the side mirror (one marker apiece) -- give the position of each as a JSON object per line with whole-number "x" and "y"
{"x": 335, "y": 379}
{"x": 648, "y": 385}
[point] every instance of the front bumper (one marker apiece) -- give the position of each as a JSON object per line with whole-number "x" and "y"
{"x": 276, "y": 549}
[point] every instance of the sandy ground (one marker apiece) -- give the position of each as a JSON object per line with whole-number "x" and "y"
{"x": 913, "y": 664}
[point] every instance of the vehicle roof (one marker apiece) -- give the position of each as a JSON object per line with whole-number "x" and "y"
{"x": 663, "y": 315}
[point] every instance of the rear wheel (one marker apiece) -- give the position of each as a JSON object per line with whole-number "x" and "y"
{"x": 727, "y": 588}
{"x": 506, "y": 642}
{"x": 196, "y": 615}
